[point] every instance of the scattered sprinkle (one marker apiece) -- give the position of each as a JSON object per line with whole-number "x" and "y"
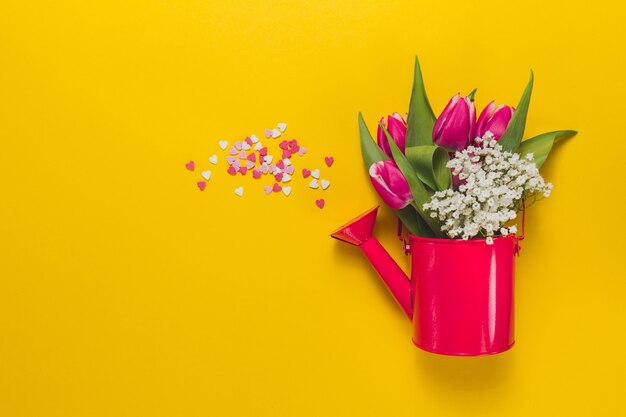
{"x": 329, "y": 160}
{"x": 190, "y": 165}
{"x": 320, "y": 203}
{"x": 239, "y": 191}
{"x": 314, "y": 184}
{"x": 213, "y": 159}
{"x": 325, "y": 184}
{"x": 315, "y": 173}
{"x": 223, "y": 144}
{"x": 282, "y": 126}
{"x": 206, "y": 174}
{"x": 201, "y": 185}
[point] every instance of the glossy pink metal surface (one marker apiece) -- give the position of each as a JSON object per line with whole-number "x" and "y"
{"x": 460, "y": 296}
{"x": 463, "y": 295}
{"x": 359, "y": 232}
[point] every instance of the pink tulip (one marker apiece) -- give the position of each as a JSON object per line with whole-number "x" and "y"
{"x": 396, "y": 126}
{"x": 454, "y": 129}
{"x": 390, "y": 184}
{"x": 494, "y": 119}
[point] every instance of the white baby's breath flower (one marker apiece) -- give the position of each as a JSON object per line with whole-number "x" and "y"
{"x": 493, "y": 184}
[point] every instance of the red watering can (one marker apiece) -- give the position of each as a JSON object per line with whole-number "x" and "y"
{"x": 460, "y": 295}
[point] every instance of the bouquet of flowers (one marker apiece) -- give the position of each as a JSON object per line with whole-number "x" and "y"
{"x": 455, "y": 176}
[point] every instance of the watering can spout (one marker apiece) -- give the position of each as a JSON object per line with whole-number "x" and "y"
{"x": 359, "y": 232}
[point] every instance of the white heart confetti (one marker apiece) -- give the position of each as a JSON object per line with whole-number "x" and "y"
{"x": 223, "y": 144}
{"x": 213, "y": 159}
{"x": 325, "y": 184}
{"x": 315, "y": 173}
{"x": 275, "y": 133}
{"x": 245, "y": 146}
{"x": 239, "y": 191}
{"x": 282, "y": 126}
{"x": 206, "y": 174}
{"x": 287, "y": 190}
{"x": 287, "y": 162}
{"x": 268, "y": 159}
{"x": 286, "y": 177}
{"x": 254, "y": 138}
{"x": 257, "y": 146}
{"x": 313, "y": 184}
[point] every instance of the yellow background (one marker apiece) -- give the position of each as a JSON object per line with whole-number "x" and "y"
{"x": 124, "y": 291}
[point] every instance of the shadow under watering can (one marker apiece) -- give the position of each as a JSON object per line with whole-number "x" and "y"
{"x": 460, "y": 294}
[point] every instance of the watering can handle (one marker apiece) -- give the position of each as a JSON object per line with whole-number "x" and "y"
{"x": 405, "y": 243}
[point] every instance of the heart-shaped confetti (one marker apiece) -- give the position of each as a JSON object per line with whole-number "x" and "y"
{"x": 305, "y": 173}
{"x": 249, "y": 164}
{"x": 301, "y": 151}
{"x": 238, "y": 145}
{"x": 239, "y": 191}
{"x": 283, "y": 145}
{"x": 263, "y": 151}
{"x": 290, "y": 169}
{"x": 254, "y": 138}
{"x": 329, "y": 160}
{"x": 280, "y": 164}
{"x": 287, "y": 161}
{"x": 248, "y": 141}
{"x": 213, "y": 159}
{"x": 243, "y": 170}
{"x": 223, "y": 144}
{"x": 256, "y": 174}
{"x": 314, "y": 184}
{"x": 276, "y": 188}
{"x": 268, "y": 133}
{"x": 190, "y": 165}
{"x": 267, "y": 189}
{"x": 257, "y": 146}
{"x": 206, "y": 174}
{"x": 286, "y": 154}
{"x": 268, "y": 159}
{"x": 232, "y": 170}
{"x": 325, "y": 184}
{"x": 320, "y": 203}
{"x": 201, "y": 185}
{"x": 245, "y": 146}
{"x": 275, "y": 133}
{"x": 279, "y": 177}
{"x": 282, "y": 126}
{"x": 293, "y": 142}
{"x": 243, "y": 154}
{"x": 251, "y": 157}
{"x": 287, "y": 191}
{"x": 233, "y": 151}
{"x": 286, "y": 177}
{"x": 231, "y": 159}
{"x": 264, "y": 168}
{"x": 315, "y": 173}
{"x": 294, "y": 149}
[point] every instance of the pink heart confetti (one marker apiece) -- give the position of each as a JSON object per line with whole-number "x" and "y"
{"x": 238, "y": 145}
{"x": 249, "y": 164}
{"x": 268, "y": 133}
{"x": 276, "y": 188}
{"x": 233, "y": 151}
{"x": 305, "y": 173}
{"x": 251, "y": 157}
{"x": 290, "y": 169}
{"x": 231, "y": 159}
{"x": 256, "y": 174}
{"x": 320, "y": 203}
{"x": 231, "y": 170}
{"x": 264, "y": 168}
{"x": 201, "y": 185}
{"x": 267, "y": 189}
{"x": 283, "y": 145}
{"x": 329, "y": 160}
{"x": 190, "y": 165}
{"x": 280, "y": 164}
{"x": 301, "y": 151}
{"x": 243, "y": 170}
{"x": 242, "y": 154}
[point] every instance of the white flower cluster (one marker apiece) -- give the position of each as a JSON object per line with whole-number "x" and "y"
{"x": 493, "y": 184}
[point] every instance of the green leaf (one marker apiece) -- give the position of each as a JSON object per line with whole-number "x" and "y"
{"x": 369, "y": 149}
{"x": 512, "y": 137}
{"x": 541, "y": 145}
{"x": 420, "y": 193}
{"x": 421, "y": 119}
{"x": 429, "y": 162}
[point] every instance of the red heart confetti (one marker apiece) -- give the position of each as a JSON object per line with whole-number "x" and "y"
{"x": 231, "y": 170}
{"x": 320, "y": 203}
{"x": 305, "y": 173}
{"x": 329, "y": 160}
{"x": 201, "y": 185}
{"x": 276, "y": 188}
{"x": 190, "y": 165}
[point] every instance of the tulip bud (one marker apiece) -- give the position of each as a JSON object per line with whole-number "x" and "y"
{"x": 454, "y": 129}
{"x": 494, "y": 119}
{"x": 390, "y": 184}
{"x": 396, "y": 126}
